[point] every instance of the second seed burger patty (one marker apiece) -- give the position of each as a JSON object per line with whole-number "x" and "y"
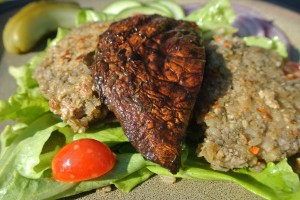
{"x": 248, "y": 107}
{"x": 66, "y": 80}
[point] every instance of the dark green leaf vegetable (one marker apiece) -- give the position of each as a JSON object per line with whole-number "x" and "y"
{"x": 29, "y": 145}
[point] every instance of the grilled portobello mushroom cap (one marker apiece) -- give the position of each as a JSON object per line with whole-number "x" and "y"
{"x": 148, "y": 71}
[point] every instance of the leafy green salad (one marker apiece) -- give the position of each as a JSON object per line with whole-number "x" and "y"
{"x": 29, "y": 144}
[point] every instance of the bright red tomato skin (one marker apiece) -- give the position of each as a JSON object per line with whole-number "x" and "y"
{"x": 82, "y": 159}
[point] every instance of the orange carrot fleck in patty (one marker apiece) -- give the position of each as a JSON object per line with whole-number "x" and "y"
{"x": 217, "y": 39}
{"x": 254, "y": 150}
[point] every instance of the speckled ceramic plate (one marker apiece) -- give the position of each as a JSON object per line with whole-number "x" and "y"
{"x": 286, "y": 19}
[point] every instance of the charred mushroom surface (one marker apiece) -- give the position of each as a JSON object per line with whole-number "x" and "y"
{"x": 148, "y": 71}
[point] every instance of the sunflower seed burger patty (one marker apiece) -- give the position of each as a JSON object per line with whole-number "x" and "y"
{"x": 248, "y": 108}
{"x": 66, "y": 81}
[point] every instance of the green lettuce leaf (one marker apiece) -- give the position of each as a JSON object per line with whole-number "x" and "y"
{"x": 88, "y": 15}
{"x": 109, "y": 136}
{"x": 9, "y": 134}
{"x": 216, "y": 17}
{"x": 268, "y": 43}
{"x": 27, "y": 157}
{"x": 61, "y": 33}
{"x": 129, "y": 182}
{"x": 15, "y": 158}
{"x": 27, "y": 143}
{"x": 127, "y": 164}
{"x": 22, "y": 188}
{"x": 46, "y": 188}
{"x": 280, "y": 178}
{"x": 24, "y": 107}
{"x": 276, "y": 181}
{"x": 27, "y": 104}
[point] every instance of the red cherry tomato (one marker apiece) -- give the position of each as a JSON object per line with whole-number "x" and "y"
{"x": 82, "y": 160}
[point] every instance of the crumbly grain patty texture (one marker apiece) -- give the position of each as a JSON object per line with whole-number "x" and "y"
{"x": 248, "y": 108}
{"x": 66, "y": 80}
